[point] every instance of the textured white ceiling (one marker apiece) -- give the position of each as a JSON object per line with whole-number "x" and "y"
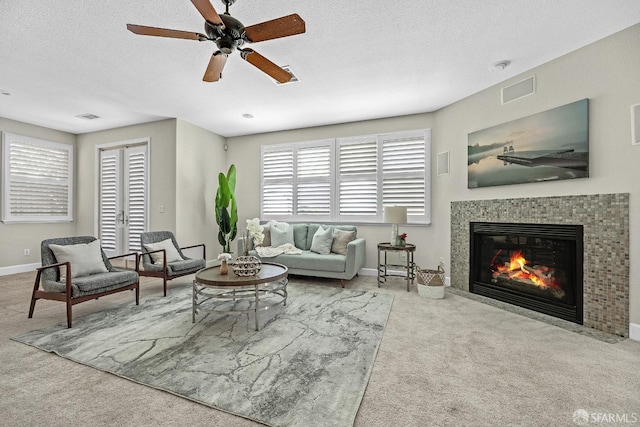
{"x": 358, "y": 60}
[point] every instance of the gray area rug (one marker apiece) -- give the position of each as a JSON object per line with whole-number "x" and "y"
{"x": 309, "y": 364}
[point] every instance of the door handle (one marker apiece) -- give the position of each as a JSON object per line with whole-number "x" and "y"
{"x": 122, "y": 218}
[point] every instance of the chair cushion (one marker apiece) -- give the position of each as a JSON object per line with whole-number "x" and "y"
{"x": 85, "y": 258}
{"x": 168, "y": 246}
{"x": 313, "y": 261}
{"x": 185, "y": 266}
{"x": 97, "y": 282}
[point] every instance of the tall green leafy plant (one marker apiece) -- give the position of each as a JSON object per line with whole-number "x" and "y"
{"x": 226, "y": 209}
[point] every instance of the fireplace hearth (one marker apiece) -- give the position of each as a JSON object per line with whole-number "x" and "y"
{"x": 535, "y": 266}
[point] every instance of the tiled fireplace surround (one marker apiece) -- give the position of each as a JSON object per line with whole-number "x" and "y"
{"x": 605, "y": 219}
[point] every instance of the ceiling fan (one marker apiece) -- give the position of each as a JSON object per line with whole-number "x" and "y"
{"x": 229, "y": 34}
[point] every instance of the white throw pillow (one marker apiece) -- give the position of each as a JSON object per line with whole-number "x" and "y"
{"x": 168, "y": 246}
{"x": 85, "y": 258}
{"x": 322, "y": 240}
{"x": 280, "y": 237}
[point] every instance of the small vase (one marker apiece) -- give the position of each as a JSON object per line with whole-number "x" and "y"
{"x": 224, "y": 268}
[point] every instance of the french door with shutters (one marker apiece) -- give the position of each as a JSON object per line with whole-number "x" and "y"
{"x": 123, "y": 198}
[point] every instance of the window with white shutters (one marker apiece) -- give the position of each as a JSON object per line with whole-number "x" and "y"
{"x": 403, "y": 172}
{"x": 37, "y": 180}
{"x": 313, "y": 184}
{"x": 136, "y": 183}
{"x": 357, "y": 178}
{"x": 348, "y": 179}
{"x": 296, "y": 181}
{"x": 277, "y": 182}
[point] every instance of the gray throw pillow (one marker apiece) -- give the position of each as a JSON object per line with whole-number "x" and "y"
{"x": 280, "y": 237}
{"x": 341, "y": 239}
{"x": 85, "y": 258}
{"x": 322, "y": 240}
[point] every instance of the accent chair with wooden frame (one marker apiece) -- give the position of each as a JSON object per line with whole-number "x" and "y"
{"x": 164, "y": 265}
{"x": 74, "y": 290}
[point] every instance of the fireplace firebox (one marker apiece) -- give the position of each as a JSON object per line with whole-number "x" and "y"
{"x": 535, "y": 266}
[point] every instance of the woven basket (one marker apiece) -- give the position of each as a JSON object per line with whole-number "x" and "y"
{"x": 431, "y": 282}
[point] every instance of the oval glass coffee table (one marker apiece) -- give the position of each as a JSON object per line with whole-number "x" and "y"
{"x": 210, "y": 288}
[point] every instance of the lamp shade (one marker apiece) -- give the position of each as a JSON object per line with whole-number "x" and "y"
{"x": 395, "y": 214}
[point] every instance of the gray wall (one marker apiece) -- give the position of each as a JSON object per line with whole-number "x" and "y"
{"x": 606, "y": 72}
{"x": 200, "y": 156}
{"x": 14, "y": 238}
{"x": 162, "y": 172}
{"x": 244, "y": 152}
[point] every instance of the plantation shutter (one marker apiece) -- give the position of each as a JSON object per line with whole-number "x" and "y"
{"x": 357, "y": 177}
{"x": 37, "y": 180}
{"x": 110, "y": 201}
{"x": 123, "y": 198}
{"x": 314, "y": 182}
{"x": 277, "y": 183}
{"x": 403, "y": 172}
{"x": 136, "y": 183}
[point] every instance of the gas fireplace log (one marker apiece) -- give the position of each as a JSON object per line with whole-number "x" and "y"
{"x": 541, "y": 273}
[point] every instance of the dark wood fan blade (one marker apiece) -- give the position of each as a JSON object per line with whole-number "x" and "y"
{"x": 163, "y": 32}
{"x": 268, "y": 67}
{"x": 214, "y": 70}
{"x": 276, "y": 28}
{"x": 207, "y": 11}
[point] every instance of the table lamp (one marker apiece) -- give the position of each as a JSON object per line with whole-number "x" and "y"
{"x": 395, "y": 215}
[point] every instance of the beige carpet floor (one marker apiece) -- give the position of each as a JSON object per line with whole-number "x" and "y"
{"x": 449, "y": 362}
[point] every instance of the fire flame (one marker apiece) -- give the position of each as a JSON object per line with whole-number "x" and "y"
{"x": 517, "y": 269}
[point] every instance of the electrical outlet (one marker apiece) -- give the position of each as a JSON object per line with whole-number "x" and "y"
{"x": 27, "y": 252}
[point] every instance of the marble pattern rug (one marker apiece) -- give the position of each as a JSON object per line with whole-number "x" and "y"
{"x": 308, "y": 365}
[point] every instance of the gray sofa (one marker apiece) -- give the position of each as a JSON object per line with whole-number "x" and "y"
{"x": 333, "y": 265}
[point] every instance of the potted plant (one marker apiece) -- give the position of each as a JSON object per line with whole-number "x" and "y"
{"x": 226, "y": 209}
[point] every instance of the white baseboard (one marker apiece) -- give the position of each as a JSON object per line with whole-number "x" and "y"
{"x": 634, "y": 331}
{"x": 368, "y": 272}
{"x": 15, "y": 269}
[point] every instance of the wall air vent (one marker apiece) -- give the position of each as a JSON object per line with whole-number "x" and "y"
{"x": 519, "y": 90}
{"x": 290, "y": 71}
{"x": 87, "y": 116}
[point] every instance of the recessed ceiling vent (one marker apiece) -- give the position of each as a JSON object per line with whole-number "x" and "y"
{"x": 519, "y": 90}
{"x": 87, "y": 116}
{"x": 290, "y": 71}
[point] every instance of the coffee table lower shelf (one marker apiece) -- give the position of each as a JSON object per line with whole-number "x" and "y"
{"x": 211, "y": 290}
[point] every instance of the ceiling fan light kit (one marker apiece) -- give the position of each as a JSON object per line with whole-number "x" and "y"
{"x": 229, "y": 34}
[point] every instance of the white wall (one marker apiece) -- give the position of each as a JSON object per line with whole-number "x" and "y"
{"x": 14, "y": 238}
